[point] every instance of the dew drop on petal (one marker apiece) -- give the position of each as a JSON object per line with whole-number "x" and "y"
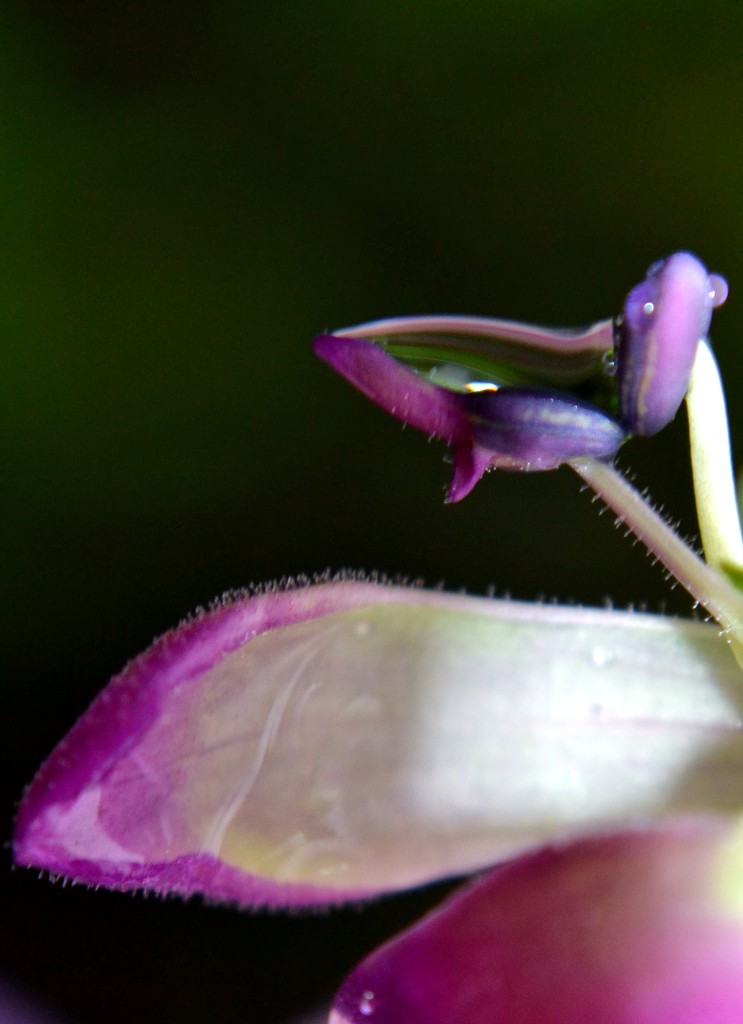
{"x": 602, "y": 657}
{"x": 366, "y": 1003}
{"x": 609, "y": 363}
{"x": 718, "y": 289}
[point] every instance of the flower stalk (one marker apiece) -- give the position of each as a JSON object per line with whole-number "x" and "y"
{"x": 707, "y": 586}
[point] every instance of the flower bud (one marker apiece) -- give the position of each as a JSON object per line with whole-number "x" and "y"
{"x": 664, "y": 318}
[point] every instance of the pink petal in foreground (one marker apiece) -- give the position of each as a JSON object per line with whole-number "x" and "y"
{"x": 639, "y": 927}
{"x": 328, "y": 742}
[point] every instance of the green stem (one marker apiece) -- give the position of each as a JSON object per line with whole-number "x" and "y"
{"x": 709, "y": 588}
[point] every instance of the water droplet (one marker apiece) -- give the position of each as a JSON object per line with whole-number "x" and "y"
{"x": 649, "y": 308}
{"x": 366, "y": 1004}
{"x": 718, "y": 289}
{"x": 609, "y": 362}
{"x": 602, "y": 657}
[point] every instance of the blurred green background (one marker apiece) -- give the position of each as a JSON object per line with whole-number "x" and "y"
{"x": 188, "y": 193}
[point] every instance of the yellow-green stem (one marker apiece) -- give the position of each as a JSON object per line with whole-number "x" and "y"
{"x": 712, "y": 468}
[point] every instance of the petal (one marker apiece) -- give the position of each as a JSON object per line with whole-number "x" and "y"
{"x": 664, "y": 318}
{"x": 327, "y": 742}
{"x": 463, "y": 348}
{"x": 470, "y": 464}
{"x": 399, "y": 390}
{"x": 528, "y": 428}
{"x": 628, "y": 928}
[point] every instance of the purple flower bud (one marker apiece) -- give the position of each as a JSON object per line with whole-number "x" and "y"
{"x": 638, "y": 927}
{"x": 508, "y": 428}
{"x": 399, "y": 390}
{"x": 664, "y": 318}
{"x": 540, "y": 429}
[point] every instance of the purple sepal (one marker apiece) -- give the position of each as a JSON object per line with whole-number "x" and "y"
{"x": 470, "y": 465}
{"x": 534, "y": 429}
{"x": 399, "y": 390}
{"x": 663, "y": 320}
{"x": 510, "y": 428}
{"x": 626, "y": 928}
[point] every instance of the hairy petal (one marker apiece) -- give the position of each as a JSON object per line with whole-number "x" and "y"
{"x": 333, "y": 741}
{"x": 501, "y": 351}
{"x": 399, "y": 390}
{"x": 638, "y": 927}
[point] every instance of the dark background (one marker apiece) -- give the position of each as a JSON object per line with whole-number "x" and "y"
{"x": 189, "y": 192}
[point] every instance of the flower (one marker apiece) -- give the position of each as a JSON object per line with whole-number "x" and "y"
{"x": 328, "y": 742}
{"x": 506, "y": 428}
{"x": 490, "y": 423}
{"x": 312, "y": 744}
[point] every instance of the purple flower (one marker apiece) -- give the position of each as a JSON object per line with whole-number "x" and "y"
{"x": 508, "y": 428}
{"x": 511, "y": 406}
{"x": 332, "y": 741}
{"x": 633, "y": 927}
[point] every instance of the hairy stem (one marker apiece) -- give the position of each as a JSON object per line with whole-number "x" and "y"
{"x": 708, "y": 587}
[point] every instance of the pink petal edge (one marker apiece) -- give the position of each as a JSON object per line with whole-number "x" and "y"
{"x": 128, "y": 706}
